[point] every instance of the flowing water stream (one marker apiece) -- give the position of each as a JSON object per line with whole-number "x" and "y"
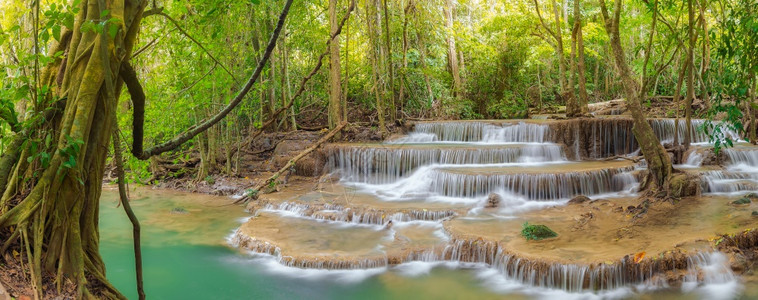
{"x": 390, "y": 227}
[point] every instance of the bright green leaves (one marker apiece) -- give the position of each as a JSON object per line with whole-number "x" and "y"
{"x": 69, "y": 153}
{"x": 8, "y": 114}
{"x": 56, "y": 17}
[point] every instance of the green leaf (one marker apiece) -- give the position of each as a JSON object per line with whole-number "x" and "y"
{"x": 104, "y": 13}
{"x": 57, "y": 32}
{"x": 112, "y": 30}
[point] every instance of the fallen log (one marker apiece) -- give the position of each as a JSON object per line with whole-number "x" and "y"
{"x": 254, "y": 192}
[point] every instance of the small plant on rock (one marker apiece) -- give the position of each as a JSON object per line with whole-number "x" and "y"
{"x": 743, "y": 200}
{"x": 537, "y": 232}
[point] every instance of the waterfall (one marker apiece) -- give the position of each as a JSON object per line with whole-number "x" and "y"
{"x": 729, "y": 182}
{"x": 742, "y": 157}
{"x": 381, "y": 164}
{"x": 521, "y": 132}
{"x": 583, "y": 277}
{"x": 338, "y": 213}
{"x": 547, "y": 186}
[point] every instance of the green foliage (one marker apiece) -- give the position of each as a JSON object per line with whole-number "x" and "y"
{"x": 536, "y": 232}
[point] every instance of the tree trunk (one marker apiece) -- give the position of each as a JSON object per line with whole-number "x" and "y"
{"x": 706, "y": 59}
{"x": 677, "y": 101}
{"x": 559, "y": 41}
{"x": 452, "y": 53}
{"x": 374, "y": 57}
{"x": 54, "y": 204}
{"x": 347, "y": 71}
{"x": 404, "y": 77}
{"x": 690, "y": 74}
{"x": 335, "y": 97}
{"x": 572, "y": 98}
{"x": 390, "y": 67}
{"x": 583, "y": 98}
{"x": 556, "y": 34}
{"x": 658, "y": 161}
{"x": 56, "y": 208}
{"x": 422, "y": 60}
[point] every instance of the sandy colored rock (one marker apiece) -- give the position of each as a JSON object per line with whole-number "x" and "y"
{"x": 579, "y": 199}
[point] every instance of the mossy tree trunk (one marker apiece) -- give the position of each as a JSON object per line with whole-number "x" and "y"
{"x": 658, "y": 161}
{"x": 54, "y": 203}
{"x": 51, "y": 180}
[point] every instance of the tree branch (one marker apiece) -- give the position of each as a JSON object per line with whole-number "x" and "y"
{"x": 256, "y": 190}
{"x": 539, "y": 15}
{"x": 305, "y": 80}
{"x": 197, "y": 129}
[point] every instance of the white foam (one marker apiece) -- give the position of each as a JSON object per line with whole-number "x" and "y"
{"x": 272, "y": 266}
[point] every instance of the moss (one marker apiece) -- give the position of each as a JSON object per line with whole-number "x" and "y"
{"x": 537, "y": 232}
{"x": 743, "y": 200}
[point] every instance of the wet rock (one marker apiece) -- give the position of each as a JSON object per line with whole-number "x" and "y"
{"x": 742, "y": 201}
{"x": 711, "y": 159}
{"x": 685, "y": 185}
{"x": 738, "y": 262}
{"x": 493, "y": 200}
{"x": 388, "y": 225}
{"x": 579, "y": 199}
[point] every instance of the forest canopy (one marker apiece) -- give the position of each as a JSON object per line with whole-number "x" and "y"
{"x": 509, "y": 56}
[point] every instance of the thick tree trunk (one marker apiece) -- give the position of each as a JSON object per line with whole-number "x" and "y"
{"x": 335, "y": 96}
{"x": 54, "y": 205}
{"x": 658, "y": 161}
{"x": 56, "y": 209}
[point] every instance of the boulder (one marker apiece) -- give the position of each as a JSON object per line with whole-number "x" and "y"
{"x": 579, "y": 199}
{"x": 685, "y": 185}
{"x": 493, "y": 200}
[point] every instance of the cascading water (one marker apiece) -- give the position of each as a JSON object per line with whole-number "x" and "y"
{"x": 446, "y": 171}
{"x": 465, "y": 161}
{"x": 520, "y": 132}
{"x": 387, "y": 164}
{"x": 739, "y": 175}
